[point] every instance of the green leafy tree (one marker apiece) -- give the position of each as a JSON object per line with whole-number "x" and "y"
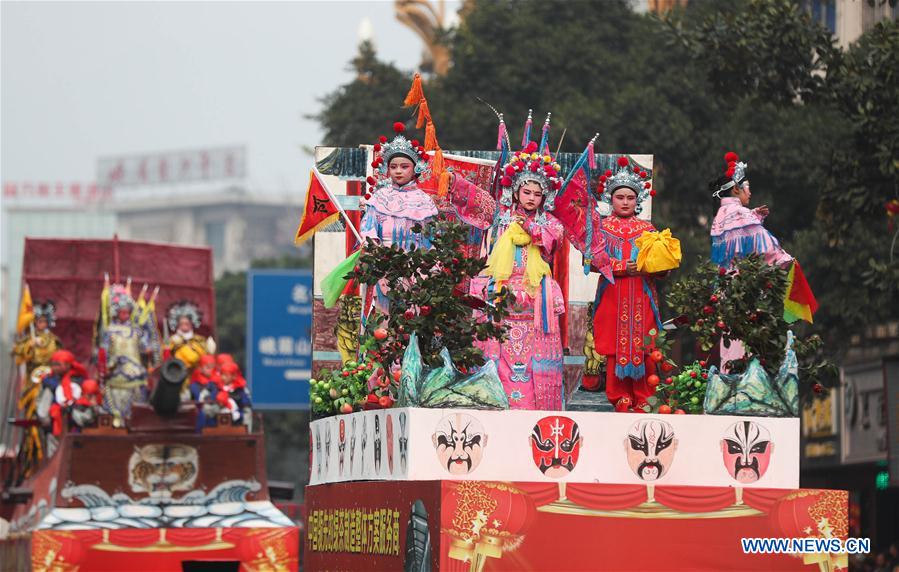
{"x": 745, "y": 304}
{"x": 847, "y": 249}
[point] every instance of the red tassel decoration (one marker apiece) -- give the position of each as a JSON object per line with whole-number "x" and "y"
{"x": 415, "y": 94}
{"x": 430, "y": 137}
{"x": 424, "y": 114}
{"x": 500, "y": 133}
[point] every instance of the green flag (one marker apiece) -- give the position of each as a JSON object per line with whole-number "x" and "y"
{"x": 334, "y": 283}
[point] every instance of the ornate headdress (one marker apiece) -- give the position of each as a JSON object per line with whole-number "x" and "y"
{"x": 533, "y": 164}
{"x": 46, "y": 310}
{"x": 385, "y": 150}
{"x": 735, "y": 171}
{"x": 120, "y": 299}
{"x": 183, "y": 308}
{"x": 626, "y": 175}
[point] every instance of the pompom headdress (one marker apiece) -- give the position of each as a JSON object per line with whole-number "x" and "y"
{"x": 183, "y": 308}
{"x": 399, "y": 146}
{"x": 626, "y": 175}
{"x": 735, "y": 171}
{"x": 46, "y": 310}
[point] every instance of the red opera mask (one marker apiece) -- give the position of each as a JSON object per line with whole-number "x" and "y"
{"x": 389, "y": 431}
{"x": 650, "y": 446}
{"x": 747, "y": 450}
{"x": 341, "y": 445}
{"x": 556, "y": 444}
{"x": 459, "y": 441}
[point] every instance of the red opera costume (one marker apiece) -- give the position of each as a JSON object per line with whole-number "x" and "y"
{"x": 624, "y": 313}
{"x": 626, "y": 307}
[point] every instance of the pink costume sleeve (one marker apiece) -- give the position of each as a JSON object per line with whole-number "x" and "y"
{"x": 571, "y": 213}
{"x": 474, "y": 205}
{"x": 546, "y": 237}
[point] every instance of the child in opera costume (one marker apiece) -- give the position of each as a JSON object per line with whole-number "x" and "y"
{"x": 738, "y": 231}
{"x": 530, "y": 361}
{"x": 626, "y": 305}
{"x": 395, "y": 203}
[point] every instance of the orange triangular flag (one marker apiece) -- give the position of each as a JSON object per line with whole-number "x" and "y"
{"x": 318, "y": 211}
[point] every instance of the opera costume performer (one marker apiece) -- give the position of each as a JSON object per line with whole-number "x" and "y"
{"x": 530, "y": 361}
{"x": 737, "y": 232}
{"x": 33, "y": 350}
{"x": 626, "y": 307}
{"x": 128, "y": 342}
{"x": 184, "y": 343}
{"x": 395, "y": 203}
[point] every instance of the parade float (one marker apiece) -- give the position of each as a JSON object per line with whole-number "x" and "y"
{"x": 141, "y": 458}
{"x": 451, "y": 336}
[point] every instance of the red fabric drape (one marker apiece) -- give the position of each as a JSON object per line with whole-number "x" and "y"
{"x": 190, "y": 536}
{"x": 540, "y": 493}
{"x": 608, "y": 497}
{"x": 762, "y": 499}
{"x": 134, "y": 537}
{"x": 696, "y": 499}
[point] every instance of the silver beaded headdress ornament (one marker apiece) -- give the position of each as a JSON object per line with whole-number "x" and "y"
{"x": 183, "y": 308}
{"x": 630, "y": 176}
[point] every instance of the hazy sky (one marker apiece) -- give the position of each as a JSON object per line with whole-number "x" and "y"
{"x": 82, "y": 80}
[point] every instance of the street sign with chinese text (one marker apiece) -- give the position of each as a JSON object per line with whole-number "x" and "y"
{"x": 279, "y": 345}
{"x": 174, "y": 167}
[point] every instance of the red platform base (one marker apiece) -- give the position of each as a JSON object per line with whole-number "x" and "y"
{"x": 484, "y": 526}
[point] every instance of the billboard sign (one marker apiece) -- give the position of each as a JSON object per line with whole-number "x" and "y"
{"x": 820, "y": 429}
{"x": 279, "y": 345}
{"x": 863, "y": 414}
{"x": 174, "y": 167}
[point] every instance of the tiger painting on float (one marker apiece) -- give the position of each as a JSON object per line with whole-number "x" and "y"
{"x": 160, "y": 469}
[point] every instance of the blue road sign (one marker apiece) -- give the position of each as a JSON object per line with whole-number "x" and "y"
{"x": 279, "y": 338}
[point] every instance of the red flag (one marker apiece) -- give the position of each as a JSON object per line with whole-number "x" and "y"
{"x": 318, "y": 211}
{"x": 799, "y": 302}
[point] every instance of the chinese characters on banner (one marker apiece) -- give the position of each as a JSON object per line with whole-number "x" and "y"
{"x": 279, "y": 345}
{"x": 175, "y": 167}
